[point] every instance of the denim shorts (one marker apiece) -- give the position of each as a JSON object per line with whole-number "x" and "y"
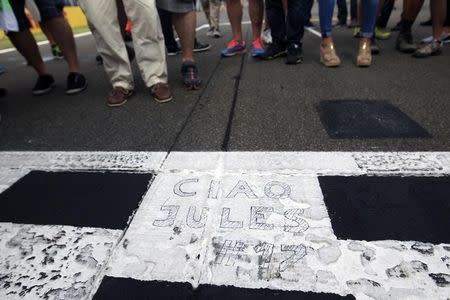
{"x": 176, "y": 6}
{"x": 48, "y": 9}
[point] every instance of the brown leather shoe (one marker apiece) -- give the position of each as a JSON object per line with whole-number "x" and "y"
{"x": 119, "y": 96}
{"x": 161, "y": 92}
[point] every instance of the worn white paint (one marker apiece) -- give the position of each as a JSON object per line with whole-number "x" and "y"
{"x": 52, "y": 262}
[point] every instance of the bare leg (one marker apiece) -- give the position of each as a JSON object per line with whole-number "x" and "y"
{"x": 48, "y": 34}
{"x": 234, "y": 11}
{"x": 438, "y": 15}
{"x": 256, "y": 12}
{"x": 185, "y": 26}
{"x": 63, "y": 35}
{"x": 26, "y": 45}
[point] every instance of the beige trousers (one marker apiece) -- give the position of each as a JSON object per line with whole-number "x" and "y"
{"x": 212, "y": 12}
{"x": 147, "y": 39}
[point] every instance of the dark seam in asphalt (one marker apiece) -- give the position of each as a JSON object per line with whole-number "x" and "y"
{"x": 237, "y": 82}
{"x": 193, "y": 109}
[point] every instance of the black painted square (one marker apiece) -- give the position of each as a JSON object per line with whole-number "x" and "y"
{"x": 84, "y": 199}
{"x": 389, "y": 208}
{"x": 367, "y": 119}
{"x": 113, "y": 288}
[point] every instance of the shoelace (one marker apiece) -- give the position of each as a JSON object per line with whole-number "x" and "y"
{"x": 257, "y": 43}
{"x": 232, "y": 44}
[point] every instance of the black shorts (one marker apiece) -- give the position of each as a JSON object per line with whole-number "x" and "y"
{"x": 48, "y": 9}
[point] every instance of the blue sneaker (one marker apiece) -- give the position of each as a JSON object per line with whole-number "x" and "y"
{"x": 233, "y": 48}
{"x": 257, "y": 48}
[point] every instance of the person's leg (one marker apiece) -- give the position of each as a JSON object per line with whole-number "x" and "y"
{"x": 256, "y": 12}
{"x": 207, "y": 10}
{"x": 60, "y": 29}
{"x": 25, "y": 43}
{"x": 102, "y": 17}
{"x": 308, "y": 7}
{"x": 342, "y": 12}
{"x": 234, "y": 11}
{"x": 167, "y": 30}
{"x": 438, "y": 15}
{"x": 295, "y": 29}
{"x": 326, "y": 9}
{"x": 185, "y": 26}
{"x": 277, "y": 19}
{"x": 405, "y": 41}
{"x": 328, "y": 56}
{"x": 369, "y": 11}
{"x": 385, "y": 14}
{"x": 214, "y": 13}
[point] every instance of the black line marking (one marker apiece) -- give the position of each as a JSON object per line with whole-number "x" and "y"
{"x": 237, "y": 82}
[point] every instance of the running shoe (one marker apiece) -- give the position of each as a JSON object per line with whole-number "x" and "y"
{"x": 273, "y": 51}
{"x": 57, "y": 52}
{"x": 200, "y": 47}
{"x": 430, "y": 49}
{"x": 357, "y": 32}
{"x": 44, "y": 84}
{"x": 189, "y": 72}
{"x": 267, "y": 36}
{"x": 382, "y": 34}
{"x": 257, "y": 48}
{"x": 294, "y": 54}
{"x": 233, "y": 47}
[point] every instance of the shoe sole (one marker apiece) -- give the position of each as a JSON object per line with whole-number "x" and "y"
{"x": 233, "y": 54}
{"x": 173, "y": 53}
{"x": 425, "y": 56}
{"x": 202, "y": 49}
{"x": 328, "y": 65}
{"x": 125, "y": 100}
{"x": 76, "y": 91}
{"x": 407, "y": 51}
{"x": 43, "y": 92}
{"x": 280, "y": 54}
{"x": 163, "y": 100}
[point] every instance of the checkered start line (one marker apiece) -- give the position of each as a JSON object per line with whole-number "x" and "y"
{"x": 103, "y": 225}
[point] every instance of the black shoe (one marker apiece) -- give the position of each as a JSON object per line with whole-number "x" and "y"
{"x": 427, "y": 23}
{"x": 173, "y": 50}
{"x": 375, "y": 49}
{"x": 397, "y": 27}
{"x": 76, "y": 83}
{"x": 405, "y": 43}
{"x": 200, "y": 47}
{"x": 273, "y": 51}
{"x": 44, "y": 85}
{"x": 341, "y": 24}
{"x": 309, "y": 24}
{"x": 99, "y": 60}
{"x": 3, "y": 92}
{"x": 294, "y": 54}
{"x": 189, "y": 72}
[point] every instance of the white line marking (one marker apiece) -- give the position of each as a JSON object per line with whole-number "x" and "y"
{"x": 313, "y": 31}
{"x": 78, "y": 35}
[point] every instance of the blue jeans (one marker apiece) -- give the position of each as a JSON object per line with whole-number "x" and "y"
{"x": 369, "y": 16}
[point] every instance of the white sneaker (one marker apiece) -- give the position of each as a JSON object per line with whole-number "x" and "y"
{"x": 445, "y": 38}
{"x": 210, "y": 32}
{"x": 267, "y": 36}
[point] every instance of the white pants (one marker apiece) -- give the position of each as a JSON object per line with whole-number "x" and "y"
{"x": 148, "y": 40}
